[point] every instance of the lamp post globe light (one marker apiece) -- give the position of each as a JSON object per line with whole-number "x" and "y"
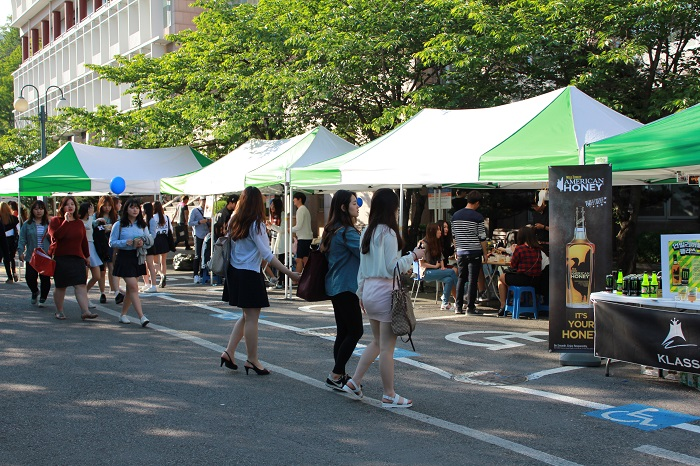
{"x": 21, "y": 105}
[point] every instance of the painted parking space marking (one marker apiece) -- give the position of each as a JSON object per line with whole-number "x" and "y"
{"x": 502, "y": 339}
{"x": 668, "y": 455}
{"x": 642, "y": 417}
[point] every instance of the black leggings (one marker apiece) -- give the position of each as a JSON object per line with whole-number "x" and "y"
{"x": 348, "y": 321}
{"x": 31, "y": 277}
{"x": 8, "y": 254}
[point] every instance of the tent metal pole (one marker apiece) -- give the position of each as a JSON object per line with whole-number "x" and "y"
{"x": 401, "y": 210}
{"x": 288, "y": 241}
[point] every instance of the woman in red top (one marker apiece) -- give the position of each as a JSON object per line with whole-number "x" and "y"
{"x": 527, "y": 262}
{"x": 69, "y": 248}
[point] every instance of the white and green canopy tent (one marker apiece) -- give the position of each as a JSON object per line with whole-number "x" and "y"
{"x": 312, "y": 147}
{"x": 508, "y": 145}
{"x": 227, "y": 175}
{"x": 84, "y": 169}
{"x": 654, "y": 153}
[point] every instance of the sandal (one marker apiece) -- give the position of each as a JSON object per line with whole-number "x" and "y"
{"x": 354, "y": 392}
{"x": 60, "y": 316}
{"x": 396, "y": 402}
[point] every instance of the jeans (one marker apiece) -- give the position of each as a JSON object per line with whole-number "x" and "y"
{"x": 348, "y": 321}
{"x": 469, "y": 266}
{"x": 447, "y": 277}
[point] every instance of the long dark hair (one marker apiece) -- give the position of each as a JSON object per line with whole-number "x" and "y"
{"x": 41, "y": 205}
{"x": 148, "y": 210}
{"x": 124, "y": 220}
{"x": 338, "y": 218}
{"x": 158, "y": 209}
{"x": 385, "y": 204}
{"x": 526, "y": 235}
{"x": 249, "y": 209}
{"x": 432, "y": 243}
{"x": 83, "y": 209}
{"x": 276, "y": 216}
{"x": 107, "y": 200}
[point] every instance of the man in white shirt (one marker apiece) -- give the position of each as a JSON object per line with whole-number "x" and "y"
{"x": 302, "y": 230}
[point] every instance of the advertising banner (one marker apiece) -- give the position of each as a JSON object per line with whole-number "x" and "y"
{"x": 580, "y": 251}
{"x": 680, "y": 266}
{"x": 440, "y": 199}
{"x": 651, "y": 337}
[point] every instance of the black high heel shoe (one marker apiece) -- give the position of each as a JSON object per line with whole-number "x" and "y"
{"x": 229, "y": 362}
{"x": 257, "y": 371}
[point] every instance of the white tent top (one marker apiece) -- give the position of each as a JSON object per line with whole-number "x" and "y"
{"x": 85, "y": 169}
{"x": 227, "y": 175}
{"x": 450, "y": 147}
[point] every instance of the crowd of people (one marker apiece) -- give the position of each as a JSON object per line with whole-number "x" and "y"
{"x": 115, "y": 243}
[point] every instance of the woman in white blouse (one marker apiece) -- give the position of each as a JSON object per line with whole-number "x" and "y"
{"x": 380, "y": 254}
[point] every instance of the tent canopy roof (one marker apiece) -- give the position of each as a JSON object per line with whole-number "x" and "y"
{"x": 654, "y": 152}
{"x": 80, "y": 168}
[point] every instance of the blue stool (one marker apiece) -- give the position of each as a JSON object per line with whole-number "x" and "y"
{"x": 542, "y": 304}
{"x": 521, "y": 299}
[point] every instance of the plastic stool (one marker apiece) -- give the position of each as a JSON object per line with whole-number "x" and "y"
{"x": 542, "y": 303}
{"x": 521, "y": 299}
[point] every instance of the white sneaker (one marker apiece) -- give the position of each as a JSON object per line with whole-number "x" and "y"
{"x": 144, "y": 321}
{"x": 151, "y": 289}
{"x": 447, "y": 307}
{"x": 91, "y": 305}
{"x": 124, "y": 320}
{"x": 197, "y": 280}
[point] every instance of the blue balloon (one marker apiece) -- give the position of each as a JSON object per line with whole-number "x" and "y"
{"x": 118, "y": 185}
{"x": 359, "y": 202}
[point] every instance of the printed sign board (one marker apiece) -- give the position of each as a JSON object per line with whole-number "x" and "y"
{"x": 580, "y": 248}
{"x": 680, "y": 265}
{"x": 440, "y": 199}
{"x": 651, "y": 337}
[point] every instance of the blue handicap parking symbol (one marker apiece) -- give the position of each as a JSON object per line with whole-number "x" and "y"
{"x": 642, "y": 417}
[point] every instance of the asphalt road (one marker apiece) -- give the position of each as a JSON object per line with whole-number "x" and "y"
{"x": 485, "y": 391}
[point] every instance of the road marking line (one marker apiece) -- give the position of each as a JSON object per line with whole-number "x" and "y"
{"x": 555, "y": 396}
{"x": 556, "y": 370}
{"x": 668, "y": 455}
{"x": 417, "y": 416}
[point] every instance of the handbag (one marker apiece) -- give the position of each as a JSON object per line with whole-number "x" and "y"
{"x": 42, "y": 262}
{"x": 312, "y": 284}
{"x": 220, "y": 256}
{"x": 403, "y": 320}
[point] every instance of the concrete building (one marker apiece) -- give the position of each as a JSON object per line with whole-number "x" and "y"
{"x": 60, "y": 37}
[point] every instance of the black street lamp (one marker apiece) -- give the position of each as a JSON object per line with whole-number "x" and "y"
{"x": 21, "y": 105}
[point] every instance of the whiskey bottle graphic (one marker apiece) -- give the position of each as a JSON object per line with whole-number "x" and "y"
{"x": 675, "y": 272}
{"x": 579, "y": 264}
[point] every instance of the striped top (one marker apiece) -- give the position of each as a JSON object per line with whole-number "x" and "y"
{"x": 469, "y": 231}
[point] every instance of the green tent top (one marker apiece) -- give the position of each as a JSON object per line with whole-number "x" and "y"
{"x": 653, "y": 153}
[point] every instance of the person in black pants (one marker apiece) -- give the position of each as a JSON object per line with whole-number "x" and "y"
{"x": 9, "y": 246}
{"x": 470, "y": 243}
{"x": 33, "y": 235}
{"x": 341, "y": 244}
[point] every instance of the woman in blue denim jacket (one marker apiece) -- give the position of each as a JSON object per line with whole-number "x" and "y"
{"x": 29, "y": 235}
{"x": 341, "y": 243}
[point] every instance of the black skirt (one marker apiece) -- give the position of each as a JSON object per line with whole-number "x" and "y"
{"x": 245, "y": 289}
{"x": 160, "y": 244}
{"x": 127, "y": 264}
{"x": 70, "y": 271}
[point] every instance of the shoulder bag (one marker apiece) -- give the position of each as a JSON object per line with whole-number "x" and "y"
{"x": 220, "y": 257}
{"x": 403, "y": 320}
{"x": 41, "y": 261}
{"x": 169, "y": 235}
{"x": 312, "y": 284}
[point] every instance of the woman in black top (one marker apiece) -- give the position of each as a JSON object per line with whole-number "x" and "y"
{"x": 9, "y": 242}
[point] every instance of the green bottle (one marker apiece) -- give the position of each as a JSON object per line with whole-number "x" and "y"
{"x": 654, "y": 286}
{"x": 619, "y": 282}
{"x": 645, "y": 285}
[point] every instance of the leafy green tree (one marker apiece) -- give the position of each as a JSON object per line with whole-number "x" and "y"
{"x": 10, "y": 58}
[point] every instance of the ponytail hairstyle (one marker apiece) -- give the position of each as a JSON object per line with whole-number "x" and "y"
{"x": 385, "y": 205}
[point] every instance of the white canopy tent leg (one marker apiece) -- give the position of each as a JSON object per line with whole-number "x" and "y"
{"x": 401, "y": 210}
{"x": 288, "y": 239}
